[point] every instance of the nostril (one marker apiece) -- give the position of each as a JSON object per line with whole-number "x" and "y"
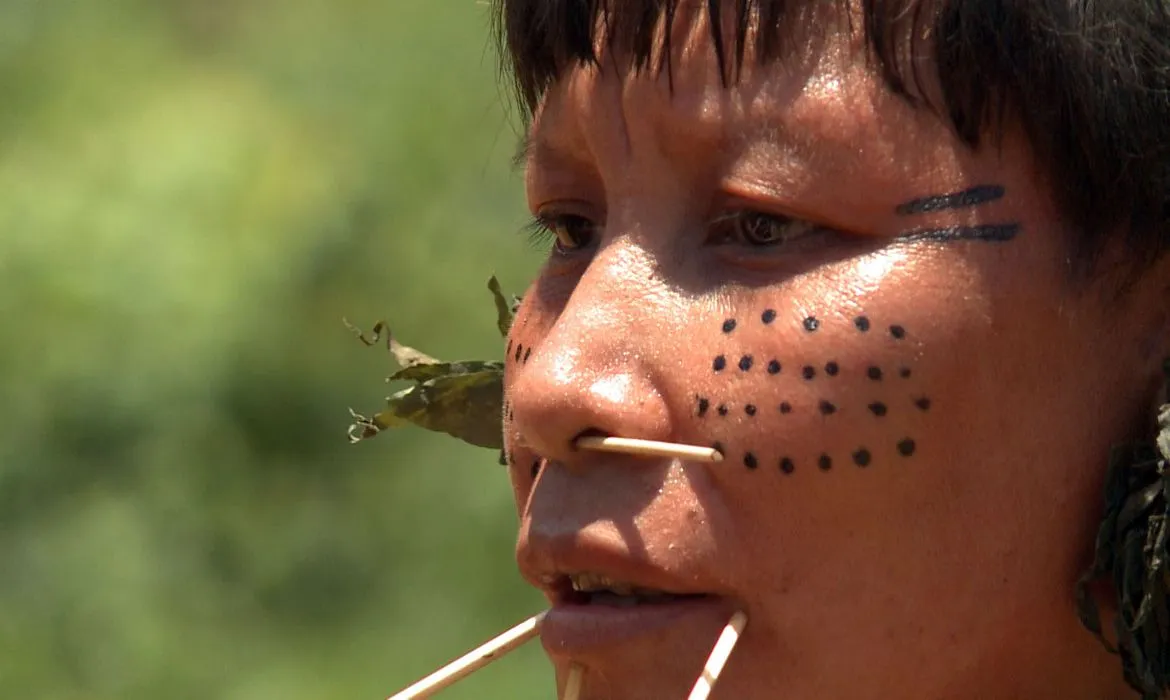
{"x": 588, "y": 432}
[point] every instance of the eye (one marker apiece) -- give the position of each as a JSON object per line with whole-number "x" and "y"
{"x": 567, "y": 232}
{"x": 759, "y": 230}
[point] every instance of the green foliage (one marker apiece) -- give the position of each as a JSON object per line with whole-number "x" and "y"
{"x": 192, "y": 192}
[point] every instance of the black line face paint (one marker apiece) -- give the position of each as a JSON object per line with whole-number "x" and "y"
{"x": 774, "y": 367}
{"x": 719, "y": 363}
{"x": 749, "y": 461}
{"x": 527, "y": 354}
{"x": 745, "y": 363}
{"x": 729, "y": 325}
{"x": 535, "y": 468}
{"x": 519, "y": 351}
{"x": 787, "y": 466}
{"x": 981, "y": 194}
{"x": 991, "y": 233}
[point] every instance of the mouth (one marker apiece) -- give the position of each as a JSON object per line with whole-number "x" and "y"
{"x": 593, "y": 612}
{"x": 593, "y": 589}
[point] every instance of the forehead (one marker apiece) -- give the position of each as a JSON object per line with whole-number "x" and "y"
{"x": 688, "y": 86}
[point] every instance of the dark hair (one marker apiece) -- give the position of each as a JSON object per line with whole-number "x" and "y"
{"x": 1088, "y": 81}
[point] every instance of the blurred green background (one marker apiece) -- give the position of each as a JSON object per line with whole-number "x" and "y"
{"x": 193, "y": 193}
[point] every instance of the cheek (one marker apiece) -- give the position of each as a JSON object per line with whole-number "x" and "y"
{"x": 810, "y": 394}
{"x": 523, "y": 337}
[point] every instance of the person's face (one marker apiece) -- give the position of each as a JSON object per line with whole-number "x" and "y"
{"x": 914, "y": 398}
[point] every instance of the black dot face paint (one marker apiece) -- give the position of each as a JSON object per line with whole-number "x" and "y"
{"x": 873, "y": 377}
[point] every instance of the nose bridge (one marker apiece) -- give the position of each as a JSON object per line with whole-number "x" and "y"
{"x": 595, "y": 368}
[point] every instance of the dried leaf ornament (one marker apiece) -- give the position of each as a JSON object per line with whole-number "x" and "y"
{"x": 1133, "y": 554}
{"x": 462, "y": 399}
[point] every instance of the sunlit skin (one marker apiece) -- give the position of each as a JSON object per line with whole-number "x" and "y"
{"x": 947, "y": 572}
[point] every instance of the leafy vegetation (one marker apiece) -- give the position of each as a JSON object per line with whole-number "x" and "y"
{"x": 193, "y": 193}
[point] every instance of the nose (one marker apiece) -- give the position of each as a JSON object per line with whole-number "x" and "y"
{"x": 599, "y": 366}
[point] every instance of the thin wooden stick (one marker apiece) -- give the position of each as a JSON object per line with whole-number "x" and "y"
{"x": 573, "y": 685}
{"x": 718, "y": 657}
{"x": 649, "y": 448}
{"x": 472, "y": 661}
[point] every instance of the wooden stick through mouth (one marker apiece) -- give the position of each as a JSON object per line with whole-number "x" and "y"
{"x": 473, "y": 660}
{"x": 648, "y": 448}
{"x": 714, "y": 666}
{"x": 573, "y": 685}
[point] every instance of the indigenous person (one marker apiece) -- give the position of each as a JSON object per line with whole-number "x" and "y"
{"x": 904, "y": 265}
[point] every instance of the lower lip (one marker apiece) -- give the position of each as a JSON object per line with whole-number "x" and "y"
{"x": 575, "y": 629}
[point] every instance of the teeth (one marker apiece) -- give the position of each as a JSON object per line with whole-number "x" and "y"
{"x": 596, "y": 583}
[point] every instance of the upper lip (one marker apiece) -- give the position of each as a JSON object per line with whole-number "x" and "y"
{"x": 547, "y": 564}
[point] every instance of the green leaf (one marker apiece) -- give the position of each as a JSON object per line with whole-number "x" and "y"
{"x": 403, "y": 355}
{"x": 467, "y": 405}
{"x": 504, "y": 310}
{"x": 422, "y": 373}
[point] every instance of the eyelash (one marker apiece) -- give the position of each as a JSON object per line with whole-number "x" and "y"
{"x": 543, "y": 230}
